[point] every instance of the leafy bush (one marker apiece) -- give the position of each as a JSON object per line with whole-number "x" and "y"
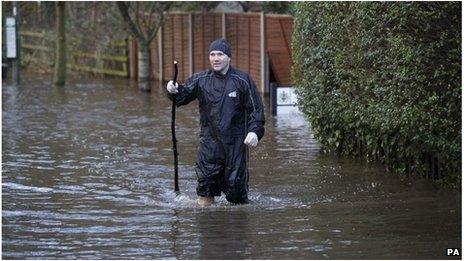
{"x": 382, "y": 80}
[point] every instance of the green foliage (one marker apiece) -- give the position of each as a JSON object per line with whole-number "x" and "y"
{"x": 192, "y": 6}
{"x": 276, "y": 7}
{"x": 382, "y": 80}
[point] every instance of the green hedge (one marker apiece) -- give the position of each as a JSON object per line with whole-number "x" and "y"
{"x": 382, "y": 80}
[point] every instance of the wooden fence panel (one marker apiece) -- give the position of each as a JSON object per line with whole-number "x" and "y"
{"x": 186, "y": 37}
{"x": 232, "y": 35}
{"x": 180, "y": 46}
{"x": 255, "y": 51}
{"x": 113, "y": 60}
{"x": 279, "y": 31}
{"x": 34, "y": 48}
{"x": 199, "y": 52}
{"x": 168, "y": 47}
{"x": 243, "y": 33}
{"x": 175, "y": 45}
{"x": 242, "y": 43}
{"x": 206, "y": 28}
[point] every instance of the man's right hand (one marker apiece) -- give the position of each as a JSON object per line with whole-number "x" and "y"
{"x": 172, "y": 88}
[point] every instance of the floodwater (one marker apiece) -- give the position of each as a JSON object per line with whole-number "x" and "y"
{"x": 87, "y": 173}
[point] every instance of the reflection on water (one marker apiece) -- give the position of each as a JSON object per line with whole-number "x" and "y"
{"x": 87, "y": 173}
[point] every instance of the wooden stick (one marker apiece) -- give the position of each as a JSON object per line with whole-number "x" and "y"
{"x": 173, "y": 131}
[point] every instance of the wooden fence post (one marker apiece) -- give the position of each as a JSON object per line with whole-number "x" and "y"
{"x": 160, "y": 54}
{"x": 133, "y": 70}
{"x": 190, "y": 17}
{"x": 263, "y": 53}
{"x": 224, "y": 25}
{"x": 126, "y": 65}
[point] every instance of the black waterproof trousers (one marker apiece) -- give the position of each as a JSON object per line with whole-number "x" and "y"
{"x": 221, "y": 166}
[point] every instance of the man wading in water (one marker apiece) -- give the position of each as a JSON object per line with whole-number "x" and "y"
{"x": 231, "y": 117}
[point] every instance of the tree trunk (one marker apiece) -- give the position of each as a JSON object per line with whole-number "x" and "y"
{"x": 59, "y": 77}
{"x": 144, "y": 67}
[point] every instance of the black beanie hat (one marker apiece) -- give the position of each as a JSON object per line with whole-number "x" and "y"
{"x": 221, "y": 45}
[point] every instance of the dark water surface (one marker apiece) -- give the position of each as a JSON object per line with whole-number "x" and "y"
{"x": 87, "y": 173}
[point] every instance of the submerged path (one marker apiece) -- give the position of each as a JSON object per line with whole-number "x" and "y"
{"x": 87, "y": 173}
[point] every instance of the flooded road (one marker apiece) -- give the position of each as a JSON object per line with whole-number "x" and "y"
{"x": 87, "y": 173}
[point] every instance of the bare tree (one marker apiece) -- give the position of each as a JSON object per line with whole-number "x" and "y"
{"x": 142, "y": 21}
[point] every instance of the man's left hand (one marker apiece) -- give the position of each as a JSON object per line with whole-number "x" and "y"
{"x": 251, "y": 139}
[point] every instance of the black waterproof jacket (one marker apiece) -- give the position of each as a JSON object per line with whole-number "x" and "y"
{"x": 230, "y": 105}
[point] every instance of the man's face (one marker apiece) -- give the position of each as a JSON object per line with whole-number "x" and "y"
{"x": 219, "y": 60}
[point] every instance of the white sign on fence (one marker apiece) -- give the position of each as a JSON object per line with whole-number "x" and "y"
{"x": 11, "y": 51}
{"x": 287, "y": 101}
